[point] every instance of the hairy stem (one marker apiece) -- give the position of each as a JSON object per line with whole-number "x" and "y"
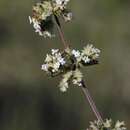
{"x": 61, "y": 34}
{"x": 91, "y": 102}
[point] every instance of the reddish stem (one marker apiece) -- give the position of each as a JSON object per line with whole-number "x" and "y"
{"x": 91, "y": 102}
{"x": 61, "y": 34}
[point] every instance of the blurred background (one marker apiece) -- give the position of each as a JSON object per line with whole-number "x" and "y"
{"x": 30, "y": 100}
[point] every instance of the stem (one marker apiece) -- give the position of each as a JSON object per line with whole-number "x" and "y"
{"x": 61, "y": 34}
{"x": 84, "y": 87}
{"x": 91, "y": 102}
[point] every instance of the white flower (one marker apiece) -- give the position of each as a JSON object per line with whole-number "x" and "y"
{"x": 53, "y": 70}
{"x": 77, "y": 77}
{"x": 48, "y": 58}
{"x": 64, "y": 82}
{"x": 59, "y": 5}
{"x": 108, "y": 123}
{"x": 95, "y": 50}
{"x": 46, "y": 34}
{"x": 61, "y": 61}
{"x": 44, "y": 67}
{"x": 41, "y": 12}
{"x": 76, "y": 82}
{"x": 64, "y": 87}
{"x": 67, "y": 76}
{"x": 86, "y": 59}
{"x": 61, "y": 2}
{"x": 54, "y": 61}
{"x": 54, "y": 51}
{"x": 36, "y": 25}
{"x": 56, "y": 66}
{"x": 93, "y": 126}
{"x": 47, "y": 10}
{"x": 58, "y": 56}
{"x": 95, "y": 56}
{"x": 76, "y": 53}
{"x": 119, "y": 124}
{"x": 38, "y": 29}
{"x": 90, "y": 50}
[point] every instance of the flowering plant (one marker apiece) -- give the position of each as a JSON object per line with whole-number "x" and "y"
{"x": 68, "y": 62}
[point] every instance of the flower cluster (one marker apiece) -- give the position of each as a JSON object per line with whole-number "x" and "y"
{"x": 74, "y": 76}
{"x": 53, "y": 62}
{"x": 107, "y": 125}
{"x": 43, "y": 12}
{"x": 68, "y": 63}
